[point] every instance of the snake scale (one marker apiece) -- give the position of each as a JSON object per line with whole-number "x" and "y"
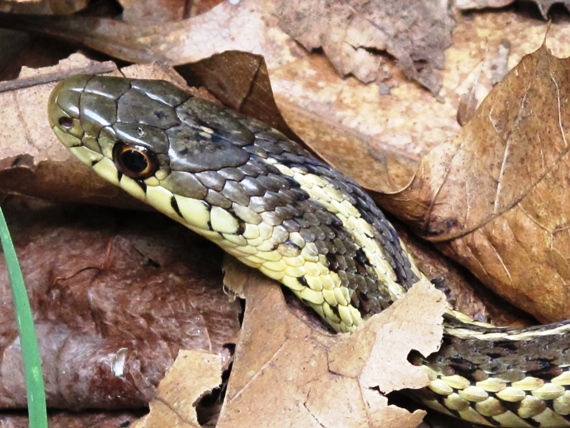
{"x": 277, "y": 208}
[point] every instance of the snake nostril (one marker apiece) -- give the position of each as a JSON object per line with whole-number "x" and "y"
{"x": 65, "y": 122}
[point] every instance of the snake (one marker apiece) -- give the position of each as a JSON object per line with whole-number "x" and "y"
{"x": 276, "y": 207}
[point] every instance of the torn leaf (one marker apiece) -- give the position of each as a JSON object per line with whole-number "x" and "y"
{"x": 351, "y": 34}
{"x": 286, "y": 371}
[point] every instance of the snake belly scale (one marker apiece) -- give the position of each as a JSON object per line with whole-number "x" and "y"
{"x": 277, "y": 208}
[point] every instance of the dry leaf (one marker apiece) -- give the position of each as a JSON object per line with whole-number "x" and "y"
{"x": 246, "y": 26}
{"x": 193, "y": 374}
{"x": 43, "y": 7}
{"x": 463, "y": 290}
{"x": 378, "y": 139}
{"x": 286, "y": 372}
{"x": 114, "y": 296}
{"x": 240, "y": 81}
{"x": 34, "y": 163}
{"x": 495, "y": 197}
{"x": 414, "y": 32}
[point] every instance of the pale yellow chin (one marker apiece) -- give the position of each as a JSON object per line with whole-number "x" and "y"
{"x": 66, "y": 138}
{"x": 85, "y": 155}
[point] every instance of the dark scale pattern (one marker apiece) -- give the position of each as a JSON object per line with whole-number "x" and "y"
{"x": 211, "y": 180}
{"x": 218, "y": 156}
{"x": 216, "y": 199}
{"x": 281, "y": 202}
{"x": 316, "y": 224}
{"x": 232, "y": 174}
{"x": 234, "y": 191}
{"x": 278, "y": 147}
{"x": 510, "y": 360}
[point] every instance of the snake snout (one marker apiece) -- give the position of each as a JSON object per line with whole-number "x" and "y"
{"x": 63, "y": 108}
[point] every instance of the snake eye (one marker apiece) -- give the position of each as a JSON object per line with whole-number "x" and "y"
{"x": 65, "y": 122}
{"x": 135, "y": 161}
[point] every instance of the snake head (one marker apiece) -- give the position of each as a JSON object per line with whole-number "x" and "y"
{"x": 147, "y": 132}
{"x": 148, "y": 137}
{"x": 117, "y": 126}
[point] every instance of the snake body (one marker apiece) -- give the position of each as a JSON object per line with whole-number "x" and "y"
{"x": 277, "y": 208}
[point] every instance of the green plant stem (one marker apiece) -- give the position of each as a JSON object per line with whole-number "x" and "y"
{"x": 28, "y": 340}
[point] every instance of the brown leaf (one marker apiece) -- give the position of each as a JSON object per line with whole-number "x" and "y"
{"x": 240, "y": 81}
{"x": 43, "y": 7}
{"x": 495, "y": 197}
{"x": 192, "y": 375}
{"x": 463, "y": 290}
{"x": 481, "y": 4}
{"x": 414, "y": 32}
{"x": 284, "y": 370}
{"x": 246, "y": 27}
{"x": 367, "y": 130}
{"x": 114, "y": 296}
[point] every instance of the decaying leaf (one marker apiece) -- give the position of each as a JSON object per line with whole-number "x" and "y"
{"x": 496, "y": 196}
{"x": 463, "y": 290}
{"x": 378, "y": 139}
{"x": 414, "y": 32}
{"x": 193, "y": 374}
{"x": 288, "y": 372}
{"x": 43, "y": 7}
{"x": 246, "y": 26}
{"x": 115, "y": 296}
{"x": 155, "y": 11}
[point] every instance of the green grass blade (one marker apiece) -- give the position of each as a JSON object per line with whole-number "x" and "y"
{"x": 29, "y": 343}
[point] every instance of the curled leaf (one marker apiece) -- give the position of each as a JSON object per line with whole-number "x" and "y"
{"x": 496, "y": 196}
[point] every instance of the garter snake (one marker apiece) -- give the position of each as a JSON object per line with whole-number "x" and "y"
{"x": 275, "y": 207}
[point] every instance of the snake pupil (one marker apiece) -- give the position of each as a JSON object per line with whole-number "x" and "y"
{"x": 134, "y": 161}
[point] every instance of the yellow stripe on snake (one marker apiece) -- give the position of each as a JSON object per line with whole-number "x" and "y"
{"x": 277, "y": 208}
